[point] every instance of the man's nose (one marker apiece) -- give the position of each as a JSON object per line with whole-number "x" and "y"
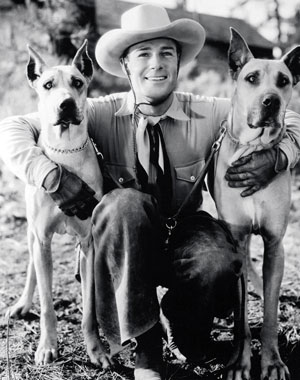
{"x": 156, "y": 61}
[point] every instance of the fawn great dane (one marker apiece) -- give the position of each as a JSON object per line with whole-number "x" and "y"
{"x": 263, "y": 89}
{"x": 62, "y": 92}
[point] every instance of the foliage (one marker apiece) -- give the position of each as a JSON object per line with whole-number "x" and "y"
{"x": 207, "y": 83}
{"x": 287, "y": 28}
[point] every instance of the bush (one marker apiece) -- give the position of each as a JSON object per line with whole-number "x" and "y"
{"x": 208, "y": 83}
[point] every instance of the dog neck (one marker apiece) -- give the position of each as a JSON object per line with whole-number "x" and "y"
{"x": 247, "y": 140}
{"x": 55, "y": 150}
{"x": 238, "y": 128}
{"x": 241, "y": 133}
{"x": 62, "y": 138}
{"x": 68, "y": 146}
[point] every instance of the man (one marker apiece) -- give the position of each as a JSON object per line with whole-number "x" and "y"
{"x": 155, "y": 143}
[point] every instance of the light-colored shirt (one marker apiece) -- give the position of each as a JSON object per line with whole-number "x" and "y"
{"x": 189, "y": 127}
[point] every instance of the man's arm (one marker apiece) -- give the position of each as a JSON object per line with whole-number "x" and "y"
{"x": 290, "y": 144}
{"x": 22, "y": 155}
{"x": 19, "y": 150}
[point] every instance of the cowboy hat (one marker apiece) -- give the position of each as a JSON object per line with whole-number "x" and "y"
{"x": 146, "y": 22}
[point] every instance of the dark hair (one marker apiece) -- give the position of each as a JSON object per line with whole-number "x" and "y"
{"x": 177, "y": 44}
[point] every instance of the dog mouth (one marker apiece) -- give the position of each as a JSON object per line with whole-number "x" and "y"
{"x": 265, "y": 124}
{"x": 65, "y": 122}
{"x": 265, "y": 121}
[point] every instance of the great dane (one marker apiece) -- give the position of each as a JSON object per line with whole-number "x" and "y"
{"x": 263, "y": 89}
{"x": 62, "y": 92}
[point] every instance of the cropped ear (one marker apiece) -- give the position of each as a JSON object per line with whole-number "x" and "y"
{"x": 238, "y": 53}
{"x": 292, "y": 60}
{"x": 83, "y": 62}
{"x": 35, "y": 66}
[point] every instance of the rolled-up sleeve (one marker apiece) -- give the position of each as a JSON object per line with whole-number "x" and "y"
{"x": 19, "y": 149}
{"x": 290, "y": 143}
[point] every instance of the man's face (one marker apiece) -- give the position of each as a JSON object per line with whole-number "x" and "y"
{"x": 152, "y": 67}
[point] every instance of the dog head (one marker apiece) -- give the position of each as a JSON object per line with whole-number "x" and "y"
{"x": 62, "y": 90}
{"x": 263, "y": 86}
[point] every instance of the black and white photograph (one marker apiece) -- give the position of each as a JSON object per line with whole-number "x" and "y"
{"x": 149, "y": 190}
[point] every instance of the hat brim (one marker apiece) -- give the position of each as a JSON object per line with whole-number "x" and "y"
{"x": 110, "y": 47}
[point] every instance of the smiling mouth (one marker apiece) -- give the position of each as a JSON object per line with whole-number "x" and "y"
{"x": 156, "y": 79}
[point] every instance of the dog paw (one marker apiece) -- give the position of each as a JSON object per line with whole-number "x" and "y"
{"x": 239, "y": 365}
{"x": 45, "y": 354}
{"x": 19, "y": 310}
{"x": 238, "y": 372}
{"x": 178, "y": 355}
{"x": 97, "y": 354}
{"x": 274, "y": 370}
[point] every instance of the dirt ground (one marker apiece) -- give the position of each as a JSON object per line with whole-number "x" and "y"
{"x": 17, "y": 352}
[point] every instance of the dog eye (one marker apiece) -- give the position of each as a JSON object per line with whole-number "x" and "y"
{"x": 77, "y": 83}
{"x": 283, "y": 81}
{"x": 48, "y": 85}
{"x": 251, "y": 78}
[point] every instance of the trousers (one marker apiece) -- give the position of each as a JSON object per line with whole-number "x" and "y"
{"x": 200, "y": 269}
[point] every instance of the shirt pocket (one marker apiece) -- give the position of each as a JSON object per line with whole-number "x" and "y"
{"x": 124, "y": 175}
{"x": 185, "y": 178}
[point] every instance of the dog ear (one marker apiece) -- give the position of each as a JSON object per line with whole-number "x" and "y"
{"x": 292, "y": 60}
{"x": 238, "y": 53}
{"x": 83, "y": 62}
{"x": 35, "y": 66}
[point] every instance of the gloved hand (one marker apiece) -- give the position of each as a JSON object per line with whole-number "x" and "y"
{"x": 72, "y": 195}
{"x": 256, "y": 170}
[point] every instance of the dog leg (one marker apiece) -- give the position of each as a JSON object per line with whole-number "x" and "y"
{"x": 22, "y": 307}
{"x": 239, "y": 364}
{"x": 272, "y": 367}
{"x": 95, "y": 348}
{"x": 255, "y": 278}
{"x": 47, "y": 348}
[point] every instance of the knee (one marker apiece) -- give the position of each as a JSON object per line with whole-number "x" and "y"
{"x": 207, "y": 267}
{"x": 124, "y": 203}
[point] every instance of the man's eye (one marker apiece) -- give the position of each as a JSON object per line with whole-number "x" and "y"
{"x": 48, "y": 85}
{"x": 168, "y": 54}
{"x": 77, "y": 83}
{"x": 143, "y": 55}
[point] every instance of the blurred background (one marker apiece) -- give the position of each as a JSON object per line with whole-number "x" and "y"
{"x": 56, "y": 28}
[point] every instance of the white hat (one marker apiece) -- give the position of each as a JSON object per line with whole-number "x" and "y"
{"x": 146, "y": 22}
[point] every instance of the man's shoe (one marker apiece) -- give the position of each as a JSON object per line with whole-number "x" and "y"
{"x": 148, "y": 359}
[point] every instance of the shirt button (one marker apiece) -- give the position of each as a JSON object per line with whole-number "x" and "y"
{"x": 121, "y": 180}
{"x": 193, "y": 178}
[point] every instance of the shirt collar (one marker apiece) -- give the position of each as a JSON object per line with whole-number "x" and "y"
{"x": 175, "y": 111}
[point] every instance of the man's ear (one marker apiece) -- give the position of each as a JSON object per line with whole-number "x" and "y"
{"x": 83, "y": 62}
{"x": 125, "y": 69}
{"x": 238, "y": 53}
{"x": 35, "y": 66}
{"x": 292, "y": 60}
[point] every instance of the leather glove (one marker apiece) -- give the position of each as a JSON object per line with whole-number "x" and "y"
{"x": 72, "y": 195}
{"x": 256, "y": 170}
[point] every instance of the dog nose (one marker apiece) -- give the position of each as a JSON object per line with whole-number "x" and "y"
{"x": 68, "y": 104}
{"x": 271, "y": 101}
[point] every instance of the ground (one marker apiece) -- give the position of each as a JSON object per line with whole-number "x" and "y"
{"x": 17, "y": 351}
